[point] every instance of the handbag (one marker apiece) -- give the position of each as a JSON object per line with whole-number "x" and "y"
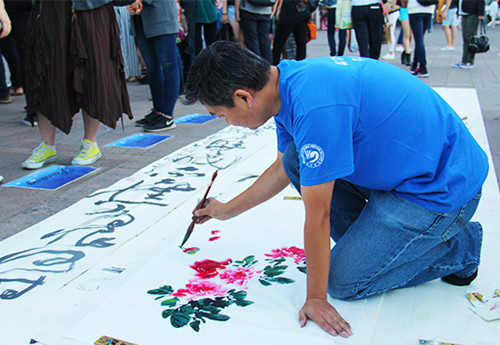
{"x": 311, "y": 31}
{"x": 343, "y": 19}
{"x": 386, "y": 33}
{"x": 480, "y": 43}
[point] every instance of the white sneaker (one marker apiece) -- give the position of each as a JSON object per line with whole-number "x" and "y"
{"x": 447, "y": 49}
{"x": 467, "y": 65}
{"x": 400, "y": 49}
{"x": 388, "y": 56}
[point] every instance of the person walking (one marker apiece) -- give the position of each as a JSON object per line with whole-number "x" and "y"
{"x": 471, "y": 11}
{"x": 393, "y": 16}
{"x": 330, "y": 6}
{"x": 450, "y": 21}
{"x": 420, "y": 21}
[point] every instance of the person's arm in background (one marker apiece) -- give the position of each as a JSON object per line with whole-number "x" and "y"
{"x": 135, "y": 8}
{"x": 480, "y": 9}
{"x": 4, "y": 21}
{"x": 225, "y": 18}
{"x": 237, "y": 10}
{"x": 444, "y": 12}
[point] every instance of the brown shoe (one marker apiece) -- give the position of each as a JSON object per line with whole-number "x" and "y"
{"x": 6, "y": 100}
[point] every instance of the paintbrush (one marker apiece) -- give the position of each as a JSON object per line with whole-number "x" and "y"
{"x": 200, "y": 205}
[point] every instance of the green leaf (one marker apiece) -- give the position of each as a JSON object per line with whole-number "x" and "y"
{"x": 167, "y": 312}
{"x": 164, "y": 290}
{"x": 179, "y": 320}
{"x": 249, "y": 260}
{"x": 215, "y": 317}
{"x": 282, "y": 280}
{"x": 274, "y": 271}
{"x": 302, "y": 269}
{"x": 206, "y": 301}
{"x": 170, "y": 302}
{"x": 264, "y": 282}
{"x": 243, "y": 303}
{"x": 239, "y": 295}
{"x": 220, "y": 303}
{"x": 195, "y": 325}
{"x": 186, "y": 309}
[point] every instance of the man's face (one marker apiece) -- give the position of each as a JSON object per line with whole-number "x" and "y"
{"x": 242, "y": 114}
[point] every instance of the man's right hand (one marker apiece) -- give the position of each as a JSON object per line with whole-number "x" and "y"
{"x": 212, "y": 209}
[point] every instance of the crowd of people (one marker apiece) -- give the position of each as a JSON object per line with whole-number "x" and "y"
{"x": 155, "y": 42}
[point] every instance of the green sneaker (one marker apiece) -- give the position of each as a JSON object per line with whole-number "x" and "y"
{"x": 88, "y": 154}
{"x": 41, "y": 155}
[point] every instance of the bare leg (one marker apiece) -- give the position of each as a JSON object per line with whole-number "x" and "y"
{"x": 405, "y": 24}
{"x": 238, "y": 35}
{"x": 453, "y": 35}
{"x": 447, "y": 34}
{"x": 90, "y": 126}
{"x": 47, "y": 129}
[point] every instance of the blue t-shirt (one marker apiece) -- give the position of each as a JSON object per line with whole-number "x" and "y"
{"x": 377, "y": 126}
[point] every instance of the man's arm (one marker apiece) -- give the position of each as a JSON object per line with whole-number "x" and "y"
{"x": 317, "y": 200}
{"x": 270, "y": 183}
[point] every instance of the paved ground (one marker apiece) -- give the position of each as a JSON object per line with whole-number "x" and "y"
{"x": 21, "y": 208}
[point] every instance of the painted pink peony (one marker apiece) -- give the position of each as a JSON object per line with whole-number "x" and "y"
{"x": 196, "y": 289}
{"x": 238, "y": 276}
{"x": 209, "y": 268}
{"x": 297, "y": 254}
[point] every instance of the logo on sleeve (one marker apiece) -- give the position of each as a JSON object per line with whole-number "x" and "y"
{"x": 312, "y": 155}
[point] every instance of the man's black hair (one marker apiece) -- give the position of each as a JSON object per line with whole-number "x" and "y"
{"x": 222, "y": 68}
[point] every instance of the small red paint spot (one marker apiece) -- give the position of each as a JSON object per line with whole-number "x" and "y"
{"x": 215, "y": 232}
{"x": 191, "y": 250}
{"x": 211, "y": 239}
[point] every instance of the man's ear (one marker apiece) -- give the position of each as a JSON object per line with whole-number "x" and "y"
{"x": 243, "y": 96}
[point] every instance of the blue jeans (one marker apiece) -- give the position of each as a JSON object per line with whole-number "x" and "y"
{"x": 163, "y": 61}
{"x": 419, "y": 23}
{"x": 385, "y": 242}
{"x": 256, "y": 29}
{"x": 331, "y": 35}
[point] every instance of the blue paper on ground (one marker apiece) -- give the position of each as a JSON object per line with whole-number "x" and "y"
{"x": 52, "y": 177}
{"x": 140, "y": 140}
{"x": 195, "y": 118}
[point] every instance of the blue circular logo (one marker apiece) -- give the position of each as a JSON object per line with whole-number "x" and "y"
{"x": 312, "y": 155}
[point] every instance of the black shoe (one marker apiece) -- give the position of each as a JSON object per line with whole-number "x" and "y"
{"x": 143, "y": 80}
{"x": 148, "y": 118}
{"x": 406, "y": 59}
{"x": 27, "y": 121}
{"x": 161, "y": 123}
{"x": 459, "y": 281}
{"x": 421, "y": 73}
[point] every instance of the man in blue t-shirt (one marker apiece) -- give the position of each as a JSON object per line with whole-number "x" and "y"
{"x": 392, "y": 177}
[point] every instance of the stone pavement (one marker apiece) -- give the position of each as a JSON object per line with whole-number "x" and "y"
{"x": 21, "y": 208}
